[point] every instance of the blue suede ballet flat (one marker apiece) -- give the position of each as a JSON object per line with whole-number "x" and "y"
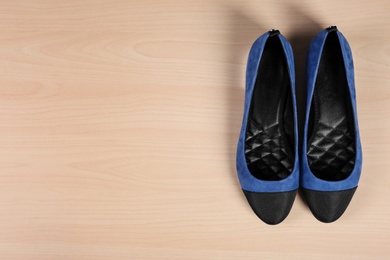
{"x": 332, "y": 154}
{"x": 267, "y": 154}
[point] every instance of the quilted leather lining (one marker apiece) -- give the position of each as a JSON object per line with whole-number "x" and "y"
{"x": 331, "y": 144}
{"x": 270, "y": 126}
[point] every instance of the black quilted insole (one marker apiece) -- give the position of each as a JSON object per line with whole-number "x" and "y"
{"x": 270, "y": 127}
{"x": 331, "y": 144}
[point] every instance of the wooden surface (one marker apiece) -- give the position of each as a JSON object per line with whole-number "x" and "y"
{"x": 119, "y": 122}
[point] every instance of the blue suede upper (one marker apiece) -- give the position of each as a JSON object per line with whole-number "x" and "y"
{"x": 247, "y": 180}
{"x": 308, "y": 179}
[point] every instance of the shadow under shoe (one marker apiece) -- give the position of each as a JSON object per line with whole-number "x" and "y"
{"x": 271, "y": 207}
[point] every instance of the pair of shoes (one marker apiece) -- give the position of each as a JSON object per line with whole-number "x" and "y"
{"x": 269, "y": 167}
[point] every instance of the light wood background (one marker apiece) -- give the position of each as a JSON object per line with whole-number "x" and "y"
{"x": 119, "y": 122}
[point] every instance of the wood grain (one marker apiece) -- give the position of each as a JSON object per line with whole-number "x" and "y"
{"x": 119, "y": 123}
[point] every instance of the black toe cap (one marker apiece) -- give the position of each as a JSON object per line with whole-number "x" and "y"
{"x": 328, "y": 206}
{"x": 271, "y": 207}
